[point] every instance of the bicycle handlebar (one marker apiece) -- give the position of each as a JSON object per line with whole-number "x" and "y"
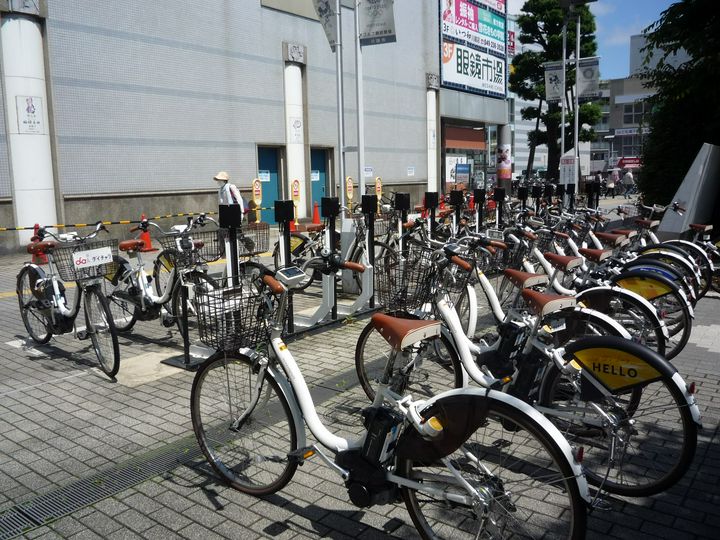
{"x": 43, "y": 232}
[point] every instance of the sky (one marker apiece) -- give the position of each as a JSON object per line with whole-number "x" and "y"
{"x": 616, "y": 21}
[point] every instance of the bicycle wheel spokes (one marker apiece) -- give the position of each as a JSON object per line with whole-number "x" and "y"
{"x": 101, "y": 329}
{"x": 648, "y": 447}
{"x": 32, "y": 316}
{"x": 525, "y": 488}
{"x": 247, "y": 445}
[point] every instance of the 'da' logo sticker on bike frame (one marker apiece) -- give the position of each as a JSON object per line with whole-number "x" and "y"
{"x": 647, "y": 288}
{"x": 616, "y": 370}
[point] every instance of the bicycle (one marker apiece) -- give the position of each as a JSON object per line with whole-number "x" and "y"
{"x": 181, "y": 262}
{"x": 442, "y": 455}
{"x": 617, "y": 399}
{"x": 44, "y": 306}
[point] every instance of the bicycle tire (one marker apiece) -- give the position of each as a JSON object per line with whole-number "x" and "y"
{"x": 36, "y": 324}
{"x": 124, "y": 312}
{"x": 655, "y": 425}
{"x": 633, "y": 315}
{"x": 519, "y": 465}
{"x": 698, "y": 255}
{"x": 162, "y": 266}
{"x": 101, "y": 329}
{"x": 305, "y": 253}
{"x": 435, "y": 365}
{"x": 671, "y": 306}
{"x": 196, "y": 278}
{"x": 252, "y": 458}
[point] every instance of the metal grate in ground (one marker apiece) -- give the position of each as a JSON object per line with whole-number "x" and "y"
{"x": 73, "y": 497}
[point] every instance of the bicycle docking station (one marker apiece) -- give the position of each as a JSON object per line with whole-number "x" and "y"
{"x": 457, "y": 201}
{"x": 548, "y": 193}
{"x": 329, "y": 210}
{"x": 570, "y": 192}
{"x": 523, "y": 196}
{"x": 499, "y": 198}
{"x": 402, "y": 205}
{"x": 367, "y": 294}
{"x": 431, "y": 203}
{"x": 479, "y": 202}
{"x": 560, "y": 194}
{"x": 537, "y": 195}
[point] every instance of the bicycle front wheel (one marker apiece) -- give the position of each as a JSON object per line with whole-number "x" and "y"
{"x": 525, "y": 486}
{"x": 31, "y": 313}
{"x": 101, "y": 328}
{"x": 243, "y": 424}
{"x": 197, "y": 279}
{"x": 638, "y": 441}
{"x": 163, "y": 266}
{"x": 427, "y": 368}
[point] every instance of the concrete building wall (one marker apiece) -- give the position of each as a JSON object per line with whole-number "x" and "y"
{"x": 4, "y": 165}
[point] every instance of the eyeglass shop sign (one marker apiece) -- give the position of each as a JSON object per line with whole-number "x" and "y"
{"x": 469, "y": 23}
{"x": 468, "y": 69}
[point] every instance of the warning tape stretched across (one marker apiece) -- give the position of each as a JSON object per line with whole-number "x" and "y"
{"x": 121, "y": 222}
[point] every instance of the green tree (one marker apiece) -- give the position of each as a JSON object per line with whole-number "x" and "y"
{"x": 540, "y": 23}
{"x": 685, "y": 112}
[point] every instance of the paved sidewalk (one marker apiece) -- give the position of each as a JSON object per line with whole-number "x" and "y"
{"x": 64, "y": 423}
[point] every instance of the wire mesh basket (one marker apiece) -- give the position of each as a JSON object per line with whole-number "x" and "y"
{"x": 253, "y": 239}
{"x": 405, "y": 283}
{"x": 383, "y": 222}
{"x": 232, "y": 316}
{"x": 544, "y": 241}
{"x": 76, "y": 261}
{"x": 196, "y": 246}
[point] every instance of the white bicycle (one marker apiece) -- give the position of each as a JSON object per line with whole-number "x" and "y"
{"x": 468, "y": 463}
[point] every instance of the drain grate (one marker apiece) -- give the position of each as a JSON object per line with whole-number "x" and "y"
{"x": 13, "y": 523}
{"x": 71, "y": 498}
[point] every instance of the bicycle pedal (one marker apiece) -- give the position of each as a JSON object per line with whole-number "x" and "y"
{"x": 168, "y": 321}
{"x": 301, "y": 454}
{"x": 82, "y": 335}
{"x": 600, "y": 504}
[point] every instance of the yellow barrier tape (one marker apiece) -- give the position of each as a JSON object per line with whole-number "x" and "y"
{"x": 121, "y": 222}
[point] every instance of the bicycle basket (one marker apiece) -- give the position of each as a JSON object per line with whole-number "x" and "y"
{"x": 76, "y": 261}
{"x": 405, "y": 283}
{"x": 195, "y": 246}
{"x": 254, "y": 239}
{"x": 232, "y": 316}
{"x": 544, "y": 241}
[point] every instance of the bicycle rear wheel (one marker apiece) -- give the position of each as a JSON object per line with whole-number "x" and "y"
{"x": 164, "y": 264}
{"x": 429, "y": 367}
{"x": 652, "y": 439}
{"x": 525, "y": 486}
{"x": 101, "y": 329}
{"x": 31, "y": 313}
{"x": 124, "y": 312}
{"x": 197, "y": 279}
{"x": 247, "y": 441}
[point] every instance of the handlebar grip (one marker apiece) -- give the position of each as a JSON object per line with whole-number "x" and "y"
{"x": 355, "y": 267}
{"x": 275, "y": 286}
{"x": 461, "y": 263}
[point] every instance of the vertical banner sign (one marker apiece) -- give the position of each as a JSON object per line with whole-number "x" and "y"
{"x": 326, "y": 13}
{"x": 567, "y": 170}
{"x": 296, "y": 190}
{"x": 504, "y": 162}
{"x": 349, "y": 188}
{"x": 377, "y": 22}
{"x": 378, "y": 191}
{"x": 588, "y": 77}
{"x": 553, "y": 81}
{"x": 511, "y": 43}
{"x": 29, "y": 115}
{"x": 257, "y": 197}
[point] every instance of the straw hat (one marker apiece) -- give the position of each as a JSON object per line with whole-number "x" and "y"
{"x": 222, "y": 176}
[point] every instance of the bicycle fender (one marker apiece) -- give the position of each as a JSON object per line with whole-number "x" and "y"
{"x": 619, "y": 365}
{"x": 631, "y": 294}
{"x": 461, "y": 411}
{"x": 694, "y": 247}
{"x": 606, "y": 318}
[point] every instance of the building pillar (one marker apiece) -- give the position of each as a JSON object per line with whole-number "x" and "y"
{"x": 503, "y": 160}
{"x": 27, "y": 121}
{"x": 294, "y": 56}
{"x": 433, "y": 84}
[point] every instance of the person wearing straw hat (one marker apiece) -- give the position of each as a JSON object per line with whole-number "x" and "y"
{"x": 228, "y": 193}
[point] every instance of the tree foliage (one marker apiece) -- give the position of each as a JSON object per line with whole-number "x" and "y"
{"x": 540, "y": 23}
{"x": 685, "y": 112}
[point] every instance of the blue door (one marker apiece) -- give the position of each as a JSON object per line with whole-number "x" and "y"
{"x": 318, "y": 174}
{"x": 268, "y": 175}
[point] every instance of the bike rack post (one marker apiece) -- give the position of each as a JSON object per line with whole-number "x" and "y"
{"x": 402, "y": 205}
{"x": 329, "y": 209}
{"x": 431, "y": 203}
{"x": 560, "y": 193}
{"x": 284, "y": 214}
{"x": 523, "y": 195}
{"x": 230, "y": 218}
{"x": 479, "y": 198}
{"x": 457, "y": 201}
{"x": 536, "y": 194}
{"x": 369, "y": 206}
{"x": 548, "y": 193}
{"x": 498, "y": 197}
{"x": 570, "y": 192}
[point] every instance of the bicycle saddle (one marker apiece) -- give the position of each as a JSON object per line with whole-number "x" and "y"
{"x": 542, "y": 303}
{"x": 595, "y": 255}
{"x": 523, "y": 280}
{"x": 401, "y": 333}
